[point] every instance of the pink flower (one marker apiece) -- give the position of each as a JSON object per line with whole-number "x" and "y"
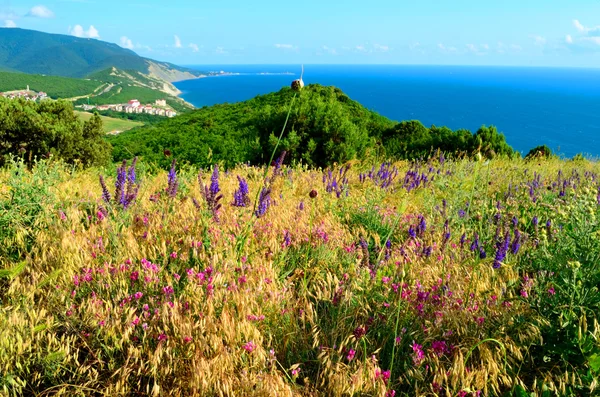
{"x": 100, "y": 215}
{"x": 162, "y": 337}
{"x": 524, "y": 293}
{"x": 480, "y": 320}
{"x": 551, "y": 291}
{"x": 62, "y": 215}
{"x": 176, "y": 276}
{"x": 350, "y": 355}
{"x": 138, "y": 295}
{"x": 187, "y": 339}
{"x": 295, "y": 372}
{"x": 249, "y": 347}
{"x": 135, "y": 321}
{"x": 242, "y": 279}
{"x": 418, "y": 354}
{"x": 174, "y": 255}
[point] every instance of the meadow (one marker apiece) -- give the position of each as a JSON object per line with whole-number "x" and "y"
{"x": 446, "y": 277}
{"x": 111, "y": 124}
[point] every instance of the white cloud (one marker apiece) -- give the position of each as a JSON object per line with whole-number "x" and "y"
{"x": 472, "y": 48}
{"x": 177, "y": 42}
{"x": 221, "y": 51}
{"x": 445, "y": 49}
{"x": 194, "y": 47}
{"x": 569, "y": 39}
{"x": 516, "y": 47}
{"x": 592, "y": 39}
{"x": 10, "y": 24}
{"x": 79, "y": 31}
{"x": 126, "y": 43}
{"x": 381, "y": 48}
{"x": 284, "y": 46}
{"x": 579, "y": 26}
{"x": 485, "y": 47}
{"x": 414, "y": 45}
{"x": 329, "y": 50}
{"x": 539, "y": 40}
{"x": 40, "y": 12}
{"x": 361, "y": 48}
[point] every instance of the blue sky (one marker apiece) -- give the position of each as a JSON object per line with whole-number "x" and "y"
{"x": 464, "y": 32}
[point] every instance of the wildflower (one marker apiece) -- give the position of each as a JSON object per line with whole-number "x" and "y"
{"x": 418, "y": 354}
{"x": 172, "y": 183}
{"x": 211, "y": 193}
{"x": 105, "y": 194}
{"x": 551, "y": 291}
{"x": 516, "y": 244}
{"x": 162, "y": 337}
{"x": 173, "y": 255}
{"x": 350, "y": 355}
{"x": 301, "y": 206}
{"x": 138, "y": 295}
{"x": 264, "y": 201}
{"x": 482, "y": 254}
{"x": 249, "y": 347}
{"x": 439, "y": 347}
{"x": 501, "y": 250}
{"x": 295, "y": 372}
{"x": 240, "y": 196}
{"x": 287, "y": 239}
{"x": 187, "y": 339}
{"x": 359, "y": 332}
{"x": 313, "y": 194}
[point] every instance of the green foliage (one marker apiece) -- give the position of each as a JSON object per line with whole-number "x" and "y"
{"x": 539, "y": 151}
{"x": 412, "y": 140}
{"x": 55, "y": 87}
{"x": 35, "y": 130}
{"x": 325, "y": 127}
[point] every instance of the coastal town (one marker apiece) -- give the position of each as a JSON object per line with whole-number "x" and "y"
{"x": 158, "y": 108}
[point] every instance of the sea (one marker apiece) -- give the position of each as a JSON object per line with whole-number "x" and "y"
{"x": 558, "y": 107}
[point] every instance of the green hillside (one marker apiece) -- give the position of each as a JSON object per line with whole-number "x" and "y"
{"x": 35, "y": 52}
{"x": 54, "y": 86}
{"x": 325, "y": 126}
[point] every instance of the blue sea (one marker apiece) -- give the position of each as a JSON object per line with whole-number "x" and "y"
{"x": 559, "y": 107}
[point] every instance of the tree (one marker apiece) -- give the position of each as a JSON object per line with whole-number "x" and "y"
{"x": 35, "y": 130}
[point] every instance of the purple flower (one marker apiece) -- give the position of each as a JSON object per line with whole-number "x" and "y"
{"x": 105, "y": 194}
{"x": 240, "y": 196}
{"x": 249, "y": 346}
{"x": 439, "y": 347}
{"x": 211, "y": 193}
{"x": 264, "y": 202}
{"x": 501, "y": 250}
{"x": 351, "y": 354}
{"x": 173, "y": 183}
{"x": 418, "y": 353}
{"x": 516, "y": 244}
{"x": 535, "y": 221}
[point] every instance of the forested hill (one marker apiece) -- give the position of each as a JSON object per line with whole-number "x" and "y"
{"x": 325, "y": 126}
{"x": 34, "y": 52}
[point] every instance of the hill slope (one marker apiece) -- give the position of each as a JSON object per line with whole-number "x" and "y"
{"x": 33, "y": 52}
{"x": 325, "y": 126}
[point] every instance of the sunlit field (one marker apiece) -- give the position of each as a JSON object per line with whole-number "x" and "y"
{"x": 440, "y": 278}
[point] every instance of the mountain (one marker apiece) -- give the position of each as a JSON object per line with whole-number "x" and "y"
{"x": 34, "y": 52}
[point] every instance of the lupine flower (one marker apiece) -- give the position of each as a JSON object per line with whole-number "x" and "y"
{"x": 535, "y": 221}
{"x": 287, "y": 239}
{"x": 173, "y": 183}
{"x": 482, "y": 254}
{"x": 475, "y": 243}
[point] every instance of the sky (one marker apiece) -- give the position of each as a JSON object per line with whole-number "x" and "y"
{"x": 563, "y": 33}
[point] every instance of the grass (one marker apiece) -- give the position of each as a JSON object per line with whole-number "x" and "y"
{"x": 174, "y": 294}
{"x": 111, "y": 125}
